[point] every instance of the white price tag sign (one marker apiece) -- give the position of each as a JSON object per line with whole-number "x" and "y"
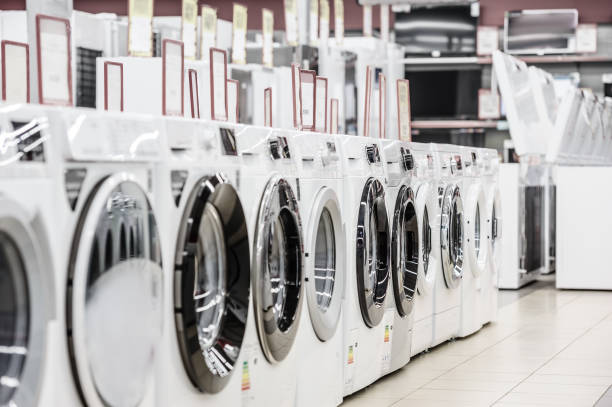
{"x": 313, "y": 28}
{"x": 586, "y": 38}
{"x": 239, "y": 34}
{"x": 324, "y": 22}
{"x": 208, "y": 33}
{"x": 367, "y": 21}
{"x": 233, "y": 100}
{"x": 113, "y": 86}
{"x": 140, "y": 28}
{"x": 55, "y": 77}
{"x": 15, "y": 72}
{"x": 339, "y": 21}
{"x": 321, "y": 104}
{"x": 487, "y": 40}
{"x": 297, "y": 96}
{"x": 267, "y": 17}
{"x": 218, "y": 91}
{"x": 291, "y": 22}
{"x": 382, "y": 106}
{"x": 268, "y": 107}
{"x": 172, "y": 77}
{"x": 488, "y": 104}
{"x": 194, "y": 93}
{"x": 403, "y": 110}
{"x": 189, "y": 27}
{"x": 307, "y": 81}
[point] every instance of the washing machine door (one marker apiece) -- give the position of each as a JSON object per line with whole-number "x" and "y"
{"x": 325, "y": 277}
{"x": 211, "y": 283}
{"x": 405, "y": 253}
{"x": 277, "y": 269}
{"x": 425, "y": 279}
{"x": 25, "y": 304}
{"x": 373, "y": 253}
{"x": 476, "y": 234}
{"x": 114, "y": 294}
{"x": 494, "y": 231}
{"x": 451, "y": 236}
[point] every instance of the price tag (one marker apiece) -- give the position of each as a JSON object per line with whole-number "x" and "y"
{"x": 267, "y": 17}
{"x": 333, "y": 121}
{"x": 324, "y": 22}
{"x": 367, "y": 100}
{"x": 233, "y": 100}
{"x": 113, "y": 86}
{"x": 487, "y": 40}
{"x": 321, "y": 104}
{"x": 291, "y": 23}
{"x": 586, "y": 38}
{"x": 189, "y": 27}
{"x": 307, "y": 82}
{"x": 268, "y": 107}
{"x": 172, "y": 77}
{"x": 403, "y": 110}
{"x": 384, "y": 22}
{"x": 382, "y": 106}
{"x": 488, "y": 104}
{"x": 53, "y": 48}
{"x": 339, "y": 21}
{"x": 367, "y": 21}
{"x": 140, "y": 28}
{"x": 297, "y": 96}
{"x": 194, "y": 93}
{"x": 239, "y": 30}
{"x": 218, "y": 84}
{"x": 208, "y": 35}
{"x": 313, "y": 28}
{"x": 15, "y": 72}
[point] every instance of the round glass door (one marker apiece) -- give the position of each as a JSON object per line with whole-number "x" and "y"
{"x": 477, "y": 231}
{"x": 451, "y": 236}
{"x": 14, "y": 319}
{"x": 277, "y": 279}
{"x": 212, "y": 283}
{"x": 114, "y": 302}
{"x": 405, "y": 251}
{"x": 325, "y": 261}
{"x": 426, "y": 242}
{"x": 373, "y": 253}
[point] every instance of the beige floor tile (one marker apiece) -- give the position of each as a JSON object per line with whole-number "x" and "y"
{"x": 550, "y": 399}
{"x": 474, "y": 397}
{"x": 359, "y": 400}
{"x": 578, "y": 367}
{"x": 570, "y": 379}
{"x": 484, "y": 376}
{"x": 401, "y": 383}
{"x": 472, "y": 385}
{"x": 556, "y": 388}
{"x": 408, "y": 402}
{"x": 502, "y": 364}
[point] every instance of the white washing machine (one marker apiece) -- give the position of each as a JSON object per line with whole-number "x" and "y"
{"x": 28, "y": 330}
{"x": 206, "y": 266}
{"x": 475, "y": 244}
{"x": 320, "y": 336}
{"x": 449, "y": 225}
{"x": 109, "y": 278}
{"x": 269, "y": 189}
{"x": 398, "y": 163}
{"x": 425, "y": 187}
{"x": 493, "y": 212}
{"x": 367, "y": 347}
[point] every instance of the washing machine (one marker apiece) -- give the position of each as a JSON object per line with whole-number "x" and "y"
{"x": 367, "y": 319}
{"x": 109, "y": 278}
{"x": 425, "y": 188}
{"x": 269, "y": 187}
{"x": 493, "y": 230}
{"x": 28, "y": 327}
{"x": 449, "y": 226}
{"x": 475, "y": 244}
{"x": 607, "y": 125}
{"x": 398, "y": 163}
{"x": 320, "y": 336}
{"x": 206, "y": 268}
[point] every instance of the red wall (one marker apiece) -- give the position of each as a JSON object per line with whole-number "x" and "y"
{"x": 492, "y": 11}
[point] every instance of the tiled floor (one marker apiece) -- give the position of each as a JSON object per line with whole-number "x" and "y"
{"x": 548, "y": 347}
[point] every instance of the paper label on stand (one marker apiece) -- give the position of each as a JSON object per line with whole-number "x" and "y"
{"x": 140, "y": 28}
{"x": 189, "y": 27}
{"x": 403, "y": 110}
{"x": 307, "y": 80}
{"x": 208, "y": 36}
{"x": 367, "y": 21}
{"x": 586, "y": 38}
{"x": 113, "y": 86}
{"x": 291, "y": 23}
{"x": 15, "y": 72}
{"x": 386, "y": 345}
{"x": 267, "y": 17}
{"x": 172, "y": 59}
{"x": 487, "y": 40}
{"x": 321, "y": 105}
{"x": 55, "y": 85}
{"x": 239, "y": 29}
{"x": 194, "y": 94}
{"x": 297, "y": 97}
{"x": 313, "y": 28}
{"x": 339, "y": 21}
{"x": 350, "y": 358}
{"x": 382, "y": 106}
{"x": 324, "y": 22}
{"x": 218, "y": 76}
{"x": 333, "y": 123}
{"x": 268, "y": 107}
{"x": 232, "y": 100}
{"x": 488, "y": 104}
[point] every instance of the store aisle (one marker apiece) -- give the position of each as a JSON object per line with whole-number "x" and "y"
{"x": 548, "y": 347}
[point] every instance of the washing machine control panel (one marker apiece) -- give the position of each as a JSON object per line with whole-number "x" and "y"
{"x": 407, "y": 160}
{"x": 372, "y": 153}
{"x": 279, "y": 148}
{"x": 27, "y": 140}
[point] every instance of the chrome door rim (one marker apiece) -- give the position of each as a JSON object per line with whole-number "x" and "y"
{"x": 451, "y": 236}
